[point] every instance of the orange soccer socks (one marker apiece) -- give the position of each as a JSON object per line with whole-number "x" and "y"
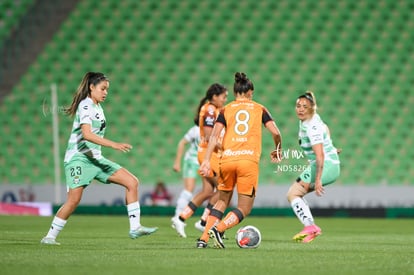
{"x": 206, "y": 213}
{"x": 233, "y": 218}
{"x": 214, "y": 218}
{"x": 188, "y": 211}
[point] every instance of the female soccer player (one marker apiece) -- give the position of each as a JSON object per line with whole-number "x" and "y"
{"x": 190, "y": 166}
{"x": 324, "y": 168}
{"x": 207, "y": 112}
{"x": 84, "y": 161}
{"x": 242, "y": 120}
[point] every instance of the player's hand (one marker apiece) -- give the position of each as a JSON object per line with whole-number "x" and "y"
{"x": 276, "y": 155}
{"x": 124, "y": 147}
{"x": 319, "y": 188}
{"x": 205, "y": 168}
{"x": 176, "y": 167}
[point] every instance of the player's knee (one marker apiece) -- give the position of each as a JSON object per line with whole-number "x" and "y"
{"x": 132, "y": 183}
{"x": 295, "y": 190}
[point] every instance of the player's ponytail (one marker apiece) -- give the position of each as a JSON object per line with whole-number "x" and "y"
{"x": 84, "y": 90}
{"x": 242, "y": 84}
{"x": 214, "y": 89}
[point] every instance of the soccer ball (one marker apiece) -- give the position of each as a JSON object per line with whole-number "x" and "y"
{"x": 248, "y": 237}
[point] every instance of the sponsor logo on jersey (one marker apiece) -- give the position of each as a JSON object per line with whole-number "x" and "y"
{"x": 231, "y": 153}
{"x": 209, "y": 121}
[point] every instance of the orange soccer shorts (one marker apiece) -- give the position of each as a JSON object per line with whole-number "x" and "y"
{"x": 243, "y": 173}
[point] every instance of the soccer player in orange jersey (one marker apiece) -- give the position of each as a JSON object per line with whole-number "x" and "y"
{"x": 207, "y": 113}
{"x": 242, "y": 120}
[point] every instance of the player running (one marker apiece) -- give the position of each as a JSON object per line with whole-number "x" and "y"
{"x": 207, "y": 112}
{"x": 84, "y": 161}
{"x": 242, "y": 120}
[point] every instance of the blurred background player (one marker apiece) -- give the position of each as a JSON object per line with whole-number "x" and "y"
{"x": 84, "y": 161}
{"x": 207, "y": 112}
{"x": 190, "y": 166}
{"x": 324, "y": 167}
{"x": 242, "y": 120}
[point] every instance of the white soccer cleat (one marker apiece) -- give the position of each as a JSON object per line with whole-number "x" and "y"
{"x": 142, "y": 231}
{"x": 49, "y": 241}
{"x": 178, "y": 225}
{"x": 198, "y": 226}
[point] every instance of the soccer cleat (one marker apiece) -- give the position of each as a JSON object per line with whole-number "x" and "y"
{"x": 178, "y": 225}
{"x": 201, "y": 244}
{"x": 310, "y": 237}
{"x": 198, "y": 226}
{"x": 142, "y": 231}
{"x": 216, "y": 236}
{"x": 49, "y": 241}
{"x": 308, "y": 234}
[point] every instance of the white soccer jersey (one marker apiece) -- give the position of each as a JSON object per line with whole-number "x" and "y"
{"x": 193, "y": 137}
{"x": 87, "y": 113}
{"x": 315, "y": 131}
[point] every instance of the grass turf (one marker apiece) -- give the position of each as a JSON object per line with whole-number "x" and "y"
{"x": 100, "y": 245}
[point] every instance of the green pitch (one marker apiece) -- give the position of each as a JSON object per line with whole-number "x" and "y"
{"x": 100, "y": 245}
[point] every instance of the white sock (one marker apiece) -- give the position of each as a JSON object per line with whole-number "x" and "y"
{"x": 182, "y": 201}
{"x": 56, "y": 226}
{"x": 134, "y": 214}
{"x": 302, "y": 211}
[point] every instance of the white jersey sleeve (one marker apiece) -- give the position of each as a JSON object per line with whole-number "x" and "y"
{"x": 316, "y": 131}
{"x": 85, "y": 109}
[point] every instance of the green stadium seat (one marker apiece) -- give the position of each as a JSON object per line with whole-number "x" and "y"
{"x": 161, "y": 57}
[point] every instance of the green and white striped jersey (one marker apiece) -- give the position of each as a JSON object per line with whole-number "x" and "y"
{"x": 314, "y": 131}
{"x": 87, "y": 113}
{"x": 193, "y": 137}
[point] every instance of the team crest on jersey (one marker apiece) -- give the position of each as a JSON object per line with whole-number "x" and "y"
{"x": 76, "y": 180}
{"x": 211, "y": 110}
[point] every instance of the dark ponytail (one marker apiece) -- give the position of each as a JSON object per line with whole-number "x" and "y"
{"x": 242, "y": 84}
{"x": 84, "y": 90}
{"x": 214, "y": 89}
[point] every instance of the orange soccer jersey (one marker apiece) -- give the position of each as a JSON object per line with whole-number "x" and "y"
{"x": 243, "y": 120}
{"x": 207, "y": 118}
{"x": 242, "y": 145}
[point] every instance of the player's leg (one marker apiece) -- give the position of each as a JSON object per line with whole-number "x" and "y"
{"x": 190, "y": 174}
{"x": 201, "y": 224}
{"x": 59, "y": 221}
{"x": 225, "y": 190}
{"x": 247, "y": 183}
{"x": 123, "y": 177}
{"x": 79, "y": 173}
{"x": 246, "y": 180}
{"x": 215, "y": 167}
{"x": 185, "y": 196}
{"x": 304, "y": 185}
{"x": 296, "y": 192}
{"x": 215, "y": 216}
{"x": 206, "y": 192}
